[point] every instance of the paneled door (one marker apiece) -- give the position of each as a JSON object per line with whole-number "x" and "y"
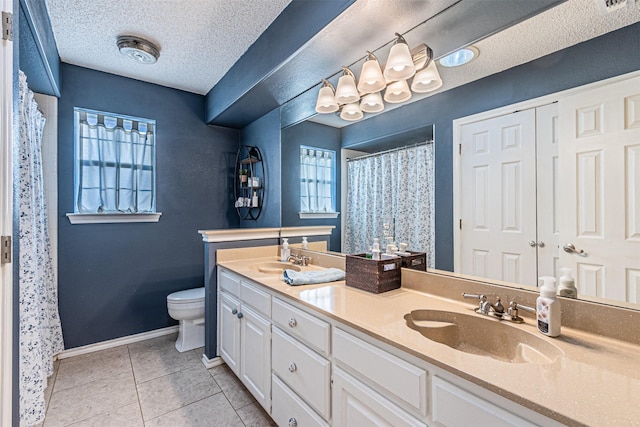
{"x": 498, "y": 198}
{"x": 600, "y": 193}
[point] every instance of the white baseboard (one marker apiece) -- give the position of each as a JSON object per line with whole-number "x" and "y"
{"x": 211, "y": 363}
{"x": 116, "y": 342}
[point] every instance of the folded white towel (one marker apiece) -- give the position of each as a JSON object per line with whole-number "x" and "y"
{"x": 312, "y": 277}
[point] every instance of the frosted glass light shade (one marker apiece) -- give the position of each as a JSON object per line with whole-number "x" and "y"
{"x": 371, "y": 78}
{"x": 346, "y": 92}
{"x": 399, "y": 65}
{"x": 397, "y": 92}
{"x": 351, "y": 112}
{"x": 372, "y": 103}
{"x": 326, "y": 102}
{"x": 427, "y": 79}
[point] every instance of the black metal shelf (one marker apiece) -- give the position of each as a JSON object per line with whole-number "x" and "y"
{"x": 249, "y": 158}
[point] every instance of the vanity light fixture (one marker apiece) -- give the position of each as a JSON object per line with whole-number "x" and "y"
{"x": 138, "y": 49}
{"x": 460, "y": 57}
{"x": 401, "y": 66}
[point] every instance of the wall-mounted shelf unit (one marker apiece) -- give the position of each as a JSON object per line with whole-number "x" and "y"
{"x": 250, "y": 183}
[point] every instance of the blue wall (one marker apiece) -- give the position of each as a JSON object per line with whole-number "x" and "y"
{"x": 607, "y": 56}
{"x": 264, "y": 133}
{"x": 114, "y": 278}
{"x": 315, "y": 135}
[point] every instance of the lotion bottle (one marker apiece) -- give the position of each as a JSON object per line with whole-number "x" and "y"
{"x": 285, "y": 252}
{"x": 548, "y": 307}
{"x": 567, "y": 286}
{"x": 376, "y": 249}
{"x": 254, "y": 201}
{"x": 305, "y": 243}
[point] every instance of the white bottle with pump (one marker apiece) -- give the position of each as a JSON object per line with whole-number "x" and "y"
{"x": 375, "y": 252}
{"x": 305, "y": 243}
{"x": 548, "y": 307}
{"x": 567, "y": 286}
{"x": 285, "y": 252}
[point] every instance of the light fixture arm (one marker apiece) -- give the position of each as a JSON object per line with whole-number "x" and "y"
{"x": 400, "y": 39}
{"x": 327, "y": 83}
{"x": 348, "y": 72}
{"x": 371, "y": 56}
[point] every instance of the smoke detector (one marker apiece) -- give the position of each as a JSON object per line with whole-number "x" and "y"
{"x": 608, "y": 6}
{"x": 138, "y": 49}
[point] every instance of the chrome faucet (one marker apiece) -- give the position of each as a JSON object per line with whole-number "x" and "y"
{"x": 302, "y": 260}
{"x": 485, "y": 307}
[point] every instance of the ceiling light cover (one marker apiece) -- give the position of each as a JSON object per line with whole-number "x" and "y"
{"x": 372, "y": 103}
{"x": 460, "y": 57}
{"x": 371, "y": 78}
{"x": 138, "y": 49}
{"x": 397, "y": 92}
{"x": 326, "y": 99}
{"x": 399, "y": 65}
{"x": 351, "y": 112}
{"x": 346, "y": 92}
{"x": 426, "y": 80}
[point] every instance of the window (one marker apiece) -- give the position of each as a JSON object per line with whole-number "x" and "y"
{"x": 114, "y": 166}
{"x": 317, "y": 183}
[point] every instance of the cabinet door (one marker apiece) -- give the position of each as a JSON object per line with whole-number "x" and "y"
{"x": 229, "y": 331}
{"x": 355, "y": 404}
{"x": 255, "y": 354}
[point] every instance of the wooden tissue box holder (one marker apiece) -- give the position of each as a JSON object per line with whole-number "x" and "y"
{"x": 373, "y": 275}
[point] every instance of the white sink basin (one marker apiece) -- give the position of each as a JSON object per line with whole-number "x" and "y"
{"x": 273, "y": 267}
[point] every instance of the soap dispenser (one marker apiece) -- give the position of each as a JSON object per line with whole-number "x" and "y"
{"x": 285, "y": 252}
{"x": 375, "y": 252}
{"x": 548, "y": 307}
{"x": 305, "y": 243}
{"x": 567, "y": 287}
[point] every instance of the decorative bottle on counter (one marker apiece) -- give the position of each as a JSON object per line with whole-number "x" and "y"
{"x": 548, "y": 307}
{"x": 305, "y": 243}
{"x": 567, "y": 287}
{"x": 285, "y": 252}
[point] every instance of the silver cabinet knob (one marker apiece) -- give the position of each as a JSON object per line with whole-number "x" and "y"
{"x": 240, "y": 315}
{"x": 293, "y": 323}
{"x": 293, "y": 367}
{"x": 539, "y": 243}
{"x": 293, "y": 422}
{"x": 570, "y": 248}
{"x": 234, "y": 311}
{"x": 532, "y": 243}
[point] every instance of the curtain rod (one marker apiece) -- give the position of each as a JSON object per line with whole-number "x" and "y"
{"x": 406, "y": 147}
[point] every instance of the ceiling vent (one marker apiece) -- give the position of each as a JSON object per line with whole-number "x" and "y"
{"x": 608, "y": 6}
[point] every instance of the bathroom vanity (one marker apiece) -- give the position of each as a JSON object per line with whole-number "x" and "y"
{"x": 329, "y": 354}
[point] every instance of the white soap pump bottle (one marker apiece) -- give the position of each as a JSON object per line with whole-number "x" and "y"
{"x": 285, "y": 252}
{"x": 567, "y": 286}
{"x": 305, "y": 243}
{"x": 548, "y": 307}
{"x": 375, "y": 252}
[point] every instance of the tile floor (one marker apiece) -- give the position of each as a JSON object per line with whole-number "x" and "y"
{"x": 148, "y": 383}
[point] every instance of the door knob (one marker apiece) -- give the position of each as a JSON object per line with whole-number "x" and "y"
{"x": 234, "y": 311}
{"x": 570, "y": 248}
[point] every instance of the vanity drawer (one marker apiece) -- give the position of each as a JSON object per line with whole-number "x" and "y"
{"x": 401, "y": 381}
{"x": 288, "y": 409}
{"x": 256, "y": 298}
{"x": 229, "y": 282}
{"x": 305, "y": 327}
{"x": 302, "y": 369}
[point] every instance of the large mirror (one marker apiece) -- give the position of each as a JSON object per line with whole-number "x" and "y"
{"x": 514, "y": 66}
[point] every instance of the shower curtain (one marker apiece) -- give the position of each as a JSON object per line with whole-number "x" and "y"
{"x": 391, "y": 194}
{"x": 40, "y": 330}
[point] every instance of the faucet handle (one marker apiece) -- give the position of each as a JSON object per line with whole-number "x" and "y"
{"x": 512, "y": 311}
{"x": 481, "y": 297}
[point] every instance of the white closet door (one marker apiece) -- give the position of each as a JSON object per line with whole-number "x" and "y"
{"x": 600, "y": 193}
{"x": 498, "y": 199}
{"x": 547, "y": 143}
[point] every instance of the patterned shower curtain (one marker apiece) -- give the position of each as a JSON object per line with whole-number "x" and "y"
{"x": 391, "y": 194}
{"x": 40, "y": 330}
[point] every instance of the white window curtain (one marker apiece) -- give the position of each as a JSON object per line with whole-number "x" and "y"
{"x": 114, "y": 172}
{"x": 392, "y": 190}
{"x": 40, "y": 330}
{"x": 317, "y": 180}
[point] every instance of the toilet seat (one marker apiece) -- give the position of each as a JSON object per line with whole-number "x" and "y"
{"x": 187, "y": 296}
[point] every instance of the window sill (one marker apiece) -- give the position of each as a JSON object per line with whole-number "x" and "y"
{"x": 78, "y": 218}
{"x": 318, "y": 215}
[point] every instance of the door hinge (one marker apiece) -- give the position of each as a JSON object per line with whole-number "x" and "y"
{"x": 460, "y": 224}
{"x": 7, "y": 26}
{"x": 5, "y": 251}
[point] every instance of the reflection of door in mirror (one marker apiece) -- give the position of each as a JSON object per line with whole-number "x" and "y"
{"x": 600, "y": 157}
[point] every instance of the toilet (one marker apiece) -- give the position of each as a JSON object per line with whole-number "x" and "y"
{"x": 187, "y": 307}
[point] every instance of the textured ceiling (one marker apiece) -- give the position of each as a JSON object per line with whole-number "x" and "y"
{"x": 562, "y": 26}
{"x": 199, "y": 39}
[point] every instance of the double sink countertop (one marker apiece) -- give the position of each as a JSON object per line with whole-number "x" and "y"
{"x": 595, "y": 382}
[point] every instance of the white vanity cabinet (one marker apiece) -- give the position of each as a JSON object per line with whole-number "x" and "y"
{"x": 245, "y": 333}
{"x": 301, "y": 370}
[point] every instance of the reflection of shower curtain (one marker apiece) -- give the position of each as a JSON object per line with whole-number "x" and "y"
{"x": 40, "y": 331}
{"x": 396, "y": 184}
